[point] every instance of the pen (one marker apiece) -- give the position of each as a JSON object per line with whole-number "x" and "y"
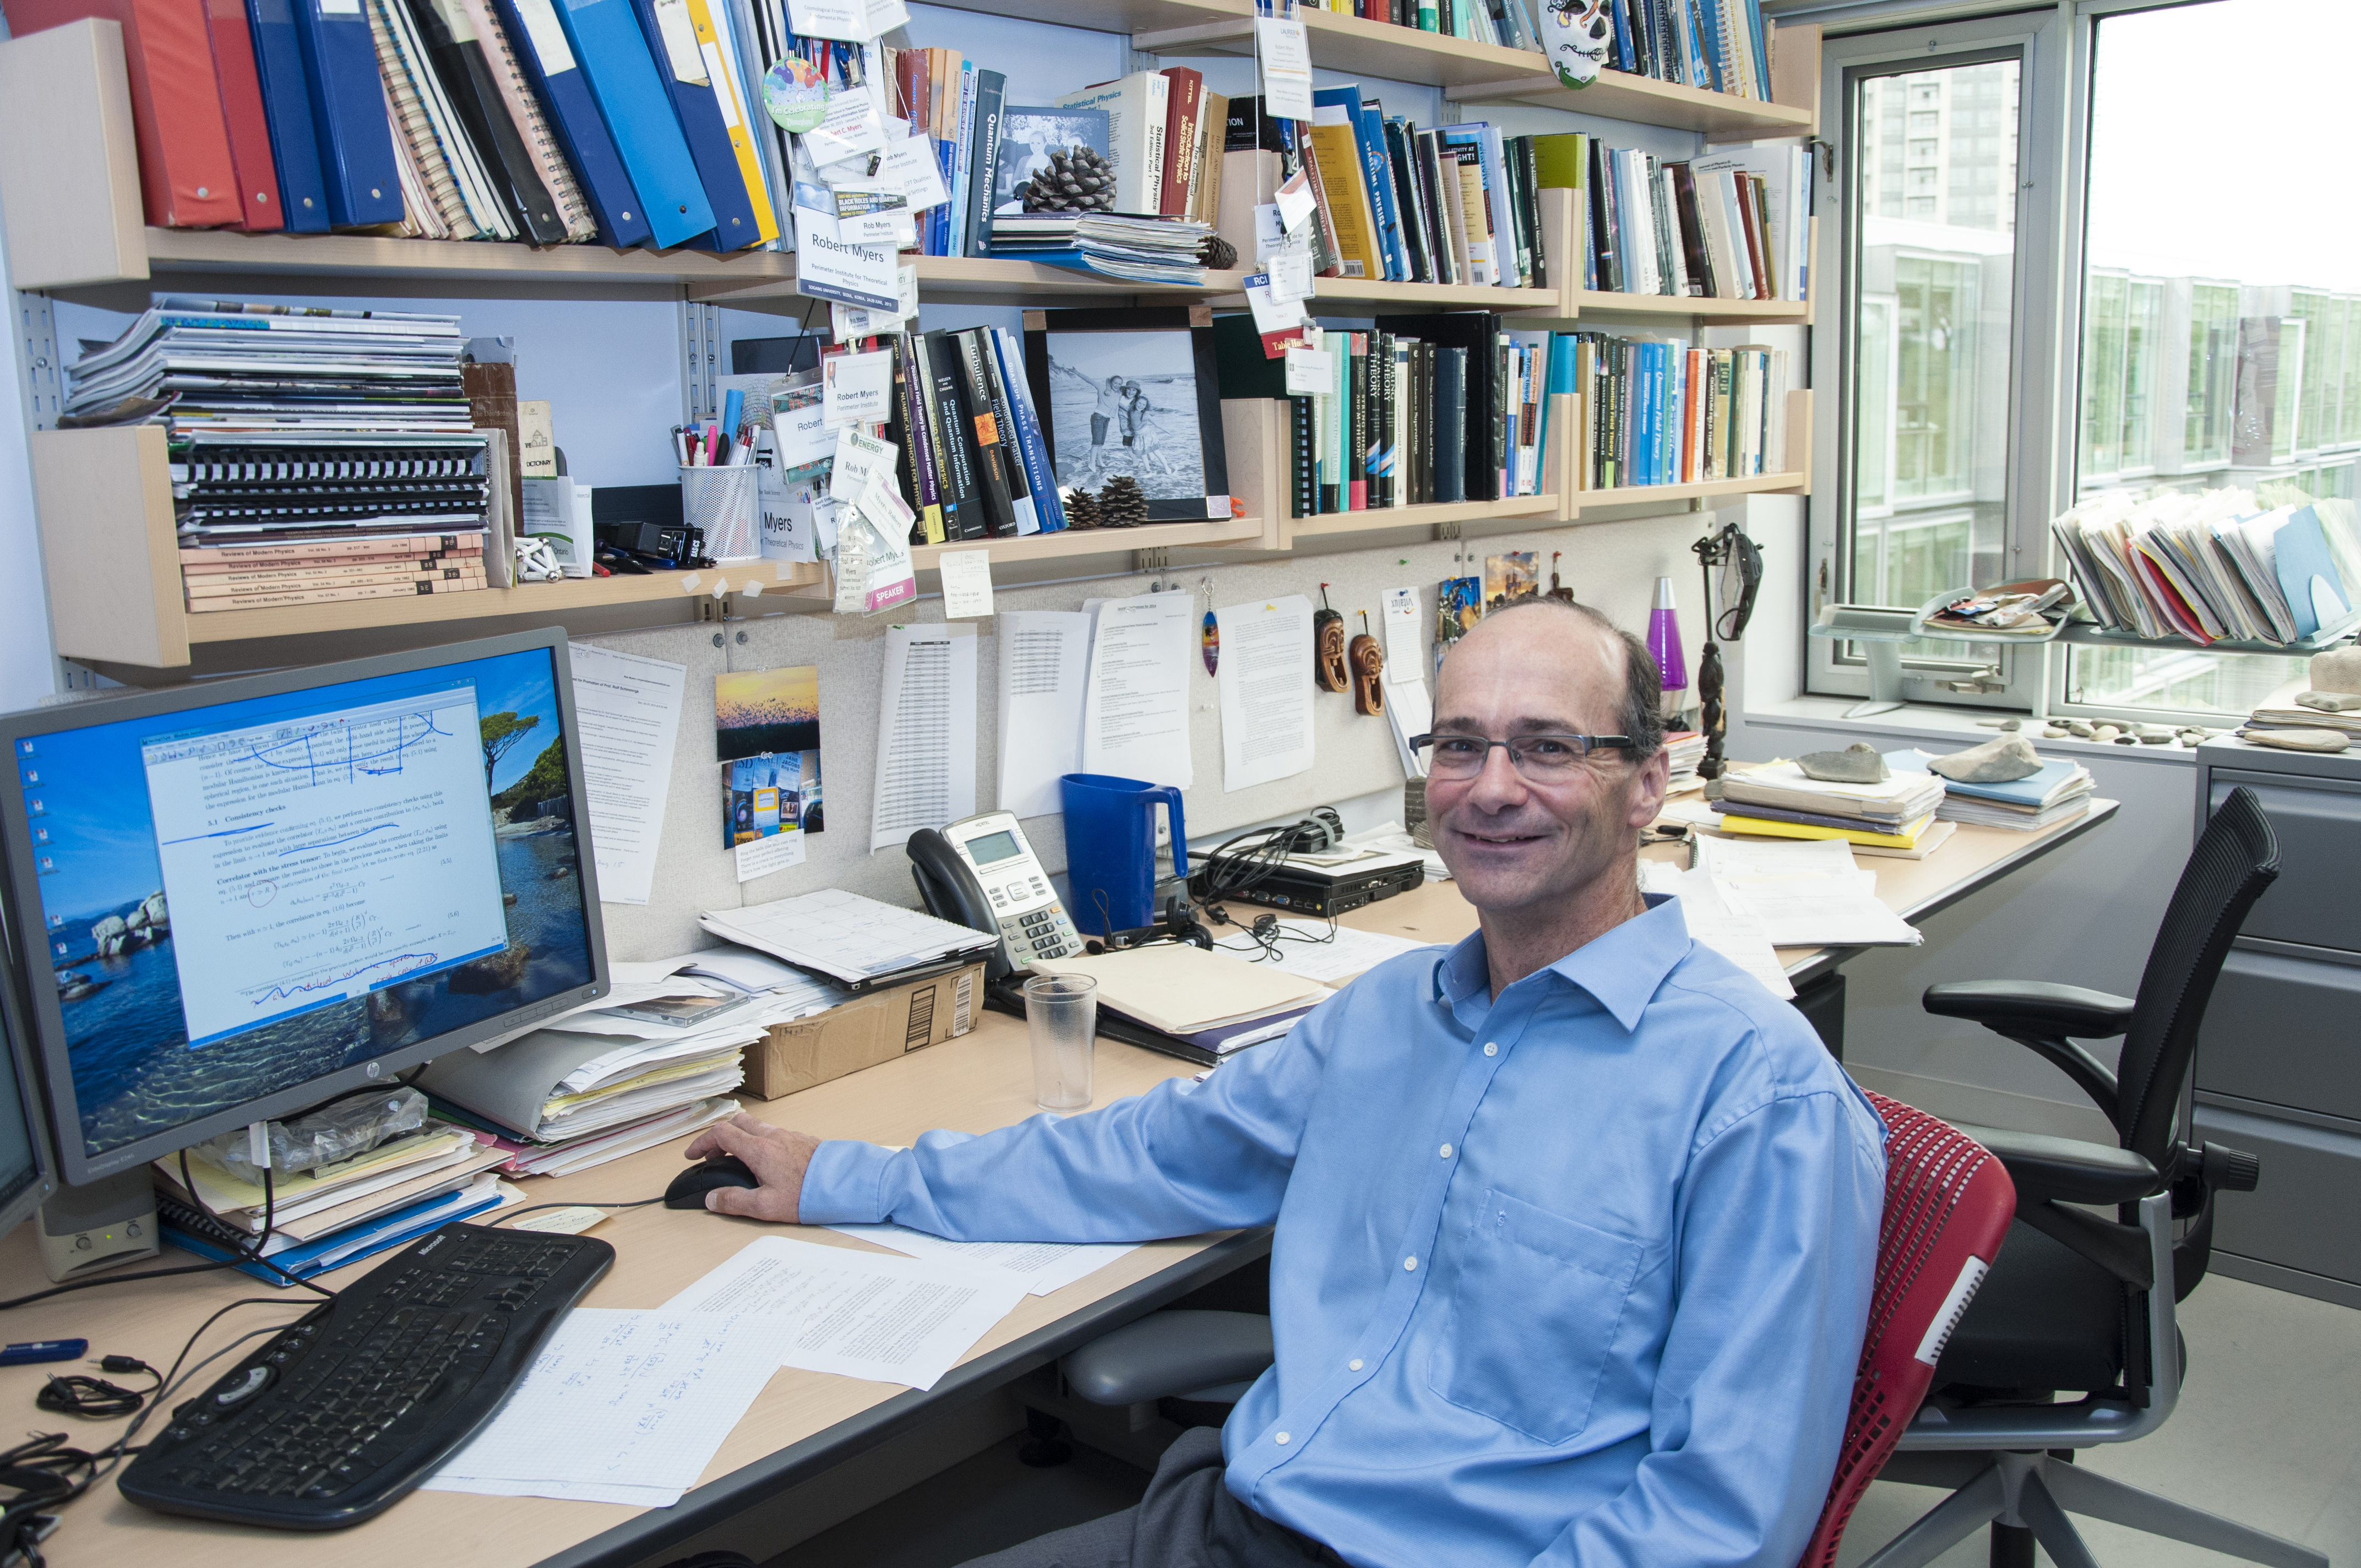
{"x": 31, "y": 1351}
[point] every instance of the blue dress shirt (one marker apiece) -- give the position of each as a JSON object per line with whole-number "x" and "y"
{"x": 1575, "y": 1274}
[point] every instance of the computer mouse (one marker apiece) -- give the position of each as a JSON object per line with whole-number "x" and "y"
{"x": 688, "y": 1189}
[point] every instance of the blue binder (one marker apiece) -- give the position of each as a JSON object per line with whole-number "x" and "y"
{"x": 614, "y": 56}
{"x": 287, "y": 106}
{"x": 573, "y": 114}
{"x": 355, "y": 136}
{"x": 734, "y": 223}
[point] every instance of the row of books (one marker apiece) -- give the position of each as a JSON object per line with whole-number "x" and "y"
{"x": 969, "y": 456}
{"x": 1718, "y": 46}
{"x": 2215, "y": 565}
{"x": 1662, "y": 412}
{"x": 1734, "y": 225}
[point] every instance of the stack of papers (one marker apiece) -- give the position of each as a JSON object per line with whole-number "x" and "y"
{"x": 1186, "y": 990}
{"x": 1684, "y": 750}
{"x": 1143, "y": 249}
{"x": 431, "y": 1163}
{"x": 2061, "y": 790}
{"x": 1778, "y": 801}
{"x": 1804, "y": 895}
{"x": 859, "y": 942}
{"x": 1713, "y": 923}
{"x": 2300, "y": 717}
{"x": 2216, "y": 566}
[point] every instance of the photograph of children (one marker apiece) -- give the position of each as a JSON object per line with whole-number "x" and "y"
{"x": 1126, "y": 403}
{"x": 757, "y": 712}
{"x": 762, "y": 796}
{"x": 1511, "y": 577}
{"x": 1458, "y": 606}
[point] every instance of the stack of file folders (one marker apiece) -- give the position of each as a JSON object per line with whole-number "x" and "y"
{"x": 2061, "y": 791}
{"x": 1141, "y": 249}
{"x": 1188, "y": 1002}
{"x": 2216, "y": 567}
{"x": 857, "y": 944}
{"x": 650, "y": 1061}
{"x": 1778, "y": 801}
{"x": 333, "y": 1214}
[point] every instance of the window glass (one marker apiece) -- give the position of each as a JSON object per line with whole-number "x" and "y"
{"x": 2216, "y": 354}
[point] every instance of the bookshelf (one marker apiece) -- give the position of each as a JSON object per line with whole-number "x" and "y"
{"x": 75, "y": 226}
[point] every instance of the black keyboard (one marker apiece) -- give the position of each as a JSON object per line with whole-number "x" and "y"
{"x": 346, "y": 1410}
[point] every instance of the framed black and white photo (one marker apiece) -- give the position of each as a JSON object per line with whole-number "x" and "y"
{"x": 1132, "y": 392}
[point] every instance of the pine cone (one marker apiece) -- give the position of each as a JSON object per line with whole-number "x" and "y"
{"x": 1217, "y": 253}
{"x": 1082, "y": 509}
{"x": 1121, "y": 503}
{"x": 1077, "y": 180}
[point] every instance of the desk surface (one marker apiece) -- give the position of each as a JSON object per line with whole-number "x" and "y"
{"x": 803, "y": 1421}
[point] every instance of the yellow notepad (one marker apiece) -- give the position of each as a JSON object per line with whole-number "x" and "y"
{"x": 1730, "y": 822}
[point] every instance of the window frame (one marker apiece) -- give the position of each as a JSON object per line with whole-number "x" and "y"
{"x": 2039, "y": 316}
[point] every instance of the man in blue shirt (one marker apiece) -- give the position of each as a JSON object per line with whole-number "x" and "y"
{"x": 1575, "y": 1222}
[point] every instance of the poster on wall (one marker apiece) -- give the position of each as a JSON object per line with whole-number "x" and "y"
{"x": 766, "y": 738}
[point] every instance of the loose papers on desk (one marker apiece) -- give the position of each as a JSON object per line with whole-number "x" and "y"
{"x": 436, "y": 1159}
{"x": 558, "y": 1084}
{"x": 1808, "y": 895}
{"x": 622, "y": 1407}
{"x": 1712, "y": 923}
{"x": 1039, "y": 1266}
{"x": 861, "y": 1314}
{"x": 855, "y": 940}
{"x": 925, "y": 733}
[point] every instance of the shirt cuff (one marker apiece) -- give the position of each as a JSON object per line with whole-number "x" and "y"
{"x": 844, "y": 1184}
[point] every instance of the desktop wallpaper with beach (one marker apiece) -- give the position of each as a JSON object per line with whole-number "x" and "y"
{"x": 108, "y": 931}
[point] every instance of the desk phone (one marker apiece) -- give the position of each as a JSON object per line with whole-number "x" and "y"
{"x": 1023, "y": 906}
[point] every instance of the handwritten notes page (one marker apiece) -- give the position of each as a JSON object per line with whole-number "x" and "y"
{"x": 1039, "y": 1266}
{"x": 890, "y": 1319}
{"x": 621, "y": 1407}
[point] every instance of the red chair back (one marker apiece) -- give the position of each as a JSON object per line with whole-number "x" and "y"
{"x": 1948, "y": 1206}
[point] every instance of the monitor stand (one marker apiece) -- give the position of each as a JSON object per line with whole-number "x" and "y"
{"x": 111, "y": 1221}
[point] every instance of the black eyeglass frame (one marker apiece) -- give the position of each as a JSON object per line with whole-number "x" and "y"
{"x": 1585, "y": 744}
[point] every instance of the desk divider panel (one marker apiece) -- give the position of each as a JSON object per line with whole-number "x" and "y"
{"x": 1613, "y": 565}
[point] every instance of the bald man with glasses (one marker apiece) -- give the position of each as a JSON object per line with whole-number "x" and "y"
{"x": 1575, "y": 1222}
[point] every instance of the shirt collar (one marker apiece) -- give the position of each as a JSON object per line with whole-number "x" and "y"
{"x": 1620, "y": 968}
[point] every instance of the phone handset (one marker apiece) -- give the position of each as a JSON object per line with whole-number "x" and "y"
{"x": 981, "y": 873}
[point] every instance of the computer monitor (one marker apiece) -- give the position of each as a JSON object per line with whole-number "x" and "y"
{"x": 27, "y": 1169}
{"x": 247, "y": 896}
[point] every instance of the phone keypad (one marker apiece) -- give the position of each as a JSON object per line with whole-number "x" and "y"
{"x": 1044, "y": 933}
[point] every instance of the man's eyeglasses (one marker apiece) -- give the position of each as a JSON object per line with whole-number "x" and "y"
{"x": 1536, "y": 756}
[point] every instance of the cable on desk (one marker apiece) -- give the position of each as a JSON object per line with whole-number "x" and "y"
{"x": 240, "y": 1255}
{"x": 95, "y": 1398}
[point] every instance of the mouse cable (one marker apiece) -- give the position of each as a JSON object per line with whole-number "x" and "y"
{"x": 95, "y": 1398}
{"x": 507, "y": 1215}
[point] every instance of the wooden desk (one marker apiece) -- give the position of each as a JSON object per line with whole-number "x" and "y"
{"x": 805, "y": 1422}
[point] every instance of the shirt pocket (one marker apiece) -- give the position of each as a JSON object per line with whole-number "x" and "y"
{"x": 1534, "y": 1311}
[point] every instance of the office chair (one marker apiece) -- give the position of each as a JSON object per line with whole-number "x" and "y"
{"x": 1948, "y": 1204}
{"x": 2079, "y": 1301}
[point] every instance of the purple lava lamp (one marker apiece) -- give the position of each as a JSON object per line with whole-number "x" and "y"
{"x": 1664, "y": 644}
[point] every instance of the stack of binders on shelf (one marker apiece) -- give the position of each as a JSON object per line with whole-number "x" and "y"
{"x": 317, "y": 456}
{"x": 2217, "y": 565}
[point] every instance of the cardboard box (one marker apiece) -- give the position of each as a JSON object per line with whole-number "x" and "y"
{"x": 863, "y": 1031}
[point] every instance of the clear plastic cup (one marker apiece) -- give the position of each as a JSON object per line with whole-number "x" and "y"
{"x": 1063, "y": 1012}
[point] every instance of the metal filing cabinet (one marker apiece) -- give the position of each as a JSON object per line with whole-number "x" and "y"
{"x": 2279, "y": 1063}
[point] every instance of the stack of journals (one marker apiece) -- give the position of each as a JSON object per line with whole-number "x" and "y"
{"x": 2061, "y": 791}
{"x": 323, "y": 1218}
{"x": 2300, "y": 717}
{"x": 858, "y": 943}
{"x": 2216, "y": 566}
{"x": 1684, "y": 750}
{"x": 1200, "y": 1005}
{"x": 1778, "y": 801}
{"x": 1145, "y": 250}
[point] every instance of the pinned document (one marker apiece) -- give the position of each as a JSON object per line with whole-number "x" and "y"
{"x": 627, "y": 708}
{"x": 1135, "y": 704}
{"x": 1266, "y": 690}
{"x": 926, "y": 732}
{"x": 1043, "y": 656}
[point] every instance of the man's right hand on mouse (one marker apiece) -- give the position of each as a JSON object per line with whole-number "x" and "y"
{"x": 777, "y": 1156}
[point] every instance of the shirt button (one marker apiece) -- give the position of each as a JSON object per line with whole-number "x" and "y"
{"x": 1446, "y": 1151}
{"x": 1280, "y": 1438}
{"x": 1409, "y": 1263}
{"x": 1490, "y": 1050}
{"x": 1353, "y": 1365}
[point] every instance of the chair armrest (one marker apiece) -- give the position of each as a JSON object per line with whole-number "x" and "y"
{"x": 2066, "y": 1169}
{"x": 2032, "y": 1008}
{"x": 1166, "y": 1354}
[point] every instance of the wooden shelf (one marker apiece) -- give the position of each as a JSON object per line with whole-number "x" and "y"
{"x": 1635, "y": 495}
{"x": 1710, "y": 312}
{"x": 1232, "y": 532}
{"x": 1333, "y": 523}
{"x": 1352, "y": 46}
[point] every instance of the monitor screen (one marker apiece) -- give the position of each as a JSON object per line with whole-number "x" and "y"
{"x": 259, "y": 892}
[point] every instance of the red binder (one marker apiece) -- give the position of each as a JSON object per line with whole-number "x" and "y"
{"x": 241, "y": 101}
{"x": 187, "y": 178}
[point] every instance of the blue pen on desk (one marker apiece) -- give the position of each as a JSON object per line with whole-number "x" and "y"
{"x": 31, "y": 1351}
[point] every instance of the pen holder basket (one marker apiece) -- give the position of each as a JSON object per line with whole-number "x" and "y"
{"x": 727, "y": 504}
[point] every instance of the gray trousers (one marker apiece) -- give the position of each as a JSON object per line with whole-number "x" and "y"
{"x": 1188, "y": 1520}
